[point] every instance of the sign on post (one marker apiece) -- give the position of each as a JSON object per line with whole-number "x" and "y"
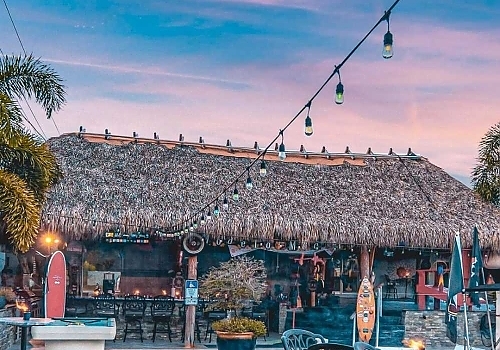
{"x": 191, "y": 292}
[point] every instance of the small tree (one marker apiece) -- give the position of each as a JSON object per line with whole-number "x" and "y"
{"x": 234, "y": 282}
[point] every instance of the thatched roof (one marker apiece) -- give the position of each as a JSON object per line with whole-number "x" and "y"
{"x": 383, "y": 200}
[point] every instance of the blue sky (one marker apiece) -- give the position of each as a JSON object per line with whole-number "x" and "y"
{"x": 241, "y": 69}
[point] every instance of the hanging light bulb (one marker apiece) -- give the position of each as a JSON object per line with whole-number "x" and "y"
{"x": 209, "y": 215}
{"x": 263, "y": 168}
{"x": 339, "y": 94}
{"x": 281, "y": 150}
{"x": 249, "y": 184}
{"x": 191, "y": 228}
{"x": 236, "y": 195}
{"x": 225, "y": 204}
{"x": 195, "y": 225}
{"x": 202, "y": 220}
{"x": 309, "y": 125}
{"x": 216, "y": 210}
{"x": 387, "y": 51}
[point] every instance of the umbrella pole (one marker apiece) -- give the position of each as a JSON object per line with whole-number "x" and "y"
{"x": 466, "y": 323}
{"x": 488, "y": 313}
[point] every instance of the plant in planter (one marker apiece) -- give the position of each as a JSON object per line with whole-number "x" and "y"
{"x": 232, "y": 286}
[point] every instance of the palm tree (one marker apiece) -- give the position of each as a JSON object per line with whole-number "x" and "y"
{"x": 486, "y": 174}
{"x": 27, "y": 167}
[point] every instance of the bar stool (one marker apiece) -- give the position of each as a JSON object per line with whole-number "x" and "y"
{"x": 134, "y": 307}
{"x": 391, "y": 288}
{"x": 162, "y": 309}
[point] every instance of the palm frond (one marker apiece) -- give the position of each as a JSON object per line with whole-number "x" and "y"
{"x": 10, "y": 121}
{"x": 486, "y": 174}
{"x": 27, "y": 77}
{"x": 32, "y": 162}
{"x": 20, "y": 211}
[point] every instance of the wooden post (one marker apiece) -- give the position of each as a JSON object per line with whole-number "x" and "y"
{"x": 497, "y": 319}
{"x": 364, "y": 264}
{"x": 189, "y": 336}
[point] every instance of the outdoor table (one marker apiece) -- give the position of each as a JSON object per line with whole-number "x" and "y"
{"x": 20, "y": 322}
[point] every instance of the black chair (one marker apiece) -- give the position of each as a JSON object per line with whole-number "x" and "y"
{"x": 390, "y": 288}
{"x": 213, "y": 316}
{"x": 300, "y": 339}
{"x": 105, "y": 306}
{"x": 162, "y": 309}
{"x": 330, "y": 346}
{"x": 74, "y": 307}
{"x": 261, "y": 313}
{"x": 134, "y": 307}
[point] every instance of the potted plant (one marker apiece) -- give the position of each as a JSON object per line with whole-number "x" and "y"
{"x": 231, "y": 286}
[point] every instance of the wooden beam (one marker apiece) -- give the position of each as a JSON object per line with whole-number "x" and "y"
{"x": 189, "y": 336}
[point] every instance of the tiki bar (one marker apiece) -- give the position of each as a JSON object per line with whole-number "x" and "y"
{"x": 126, "y": 216}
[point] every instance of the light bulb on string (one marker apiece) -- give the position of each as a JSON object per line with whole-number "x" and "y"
{"x": 308, "y": 130}
{"x": 339, "y": 91}
{"x": 263, "y": 168}
{"x": 225, "y": 203}
{"x": 388, "y": 40}
{"x": 216, "y": 210}
{"x": 249, "y": 184}
{"x": 195, "y": 224}
{"x": 202, "y": 220}
{"x": 209, "y": 215}
{"x": 236, "y": 195}
{"x": 281, "y": 150}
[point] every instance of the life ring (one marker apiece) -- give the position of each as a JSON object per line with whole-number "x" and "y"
{"x": 193, "y": 243}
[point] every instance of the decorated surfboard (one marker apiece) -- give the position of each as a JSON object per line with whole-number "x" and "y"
{"x": 55, "y": 286}
{"x": 365, "y": 310}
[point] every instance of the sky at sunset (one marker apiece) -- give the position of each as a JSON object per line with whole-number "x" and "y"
{"x": 241, "y": 69}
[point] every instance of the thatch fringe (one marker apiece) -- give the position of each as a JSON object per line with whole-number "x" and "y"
{"x": 389, "y": 201}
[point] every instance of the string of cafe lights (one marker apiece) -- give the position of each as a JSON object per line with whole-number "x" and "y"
{"x": 191, "y": 223}
{"x": 243, "y": 241}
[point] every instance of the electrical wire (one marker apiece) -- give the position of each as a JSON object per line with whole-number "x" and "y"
{"x": 23, "y": 114}
{"x": 335, "y": 71}
{"x": 26, "y": 101}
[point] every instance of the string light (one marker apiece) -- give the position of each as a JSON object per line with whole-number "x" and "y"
{"x": 202, "y": 220}
{"x": 249, "y": 184}
{"x": 263, "y": 168}
{"x": 387, "y": 51}
{"x": 339, "y": 91}
{"x": 282, "y": 151}
{"x": 209, "y": 215}
{"x": 236, "y": 195}
{"x": 339, "y": 99}
{"x": 225, "y": 203}
{"x": 308, "y": 130}
{"x": 216, "y": 210}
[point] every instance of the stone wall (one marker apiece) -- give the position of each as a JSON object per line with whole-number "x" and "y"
{"x": 430, "y": 326}
{"x": 7, "y": 333}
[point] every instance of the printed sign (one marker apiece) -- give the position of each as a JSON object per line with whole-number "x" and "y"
{"x": 191, "y": 292}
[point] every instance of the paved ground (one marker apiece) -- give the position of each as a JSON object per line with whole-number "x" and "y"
{"x": 271, "y": 343}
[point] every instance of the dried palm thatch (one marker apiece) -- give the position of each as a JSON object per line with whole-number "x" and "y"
{"x": 348, "y": 199}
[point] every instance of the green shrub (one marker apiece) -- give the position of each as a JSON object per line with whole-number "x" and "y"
{"x": 240, "y": 325}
